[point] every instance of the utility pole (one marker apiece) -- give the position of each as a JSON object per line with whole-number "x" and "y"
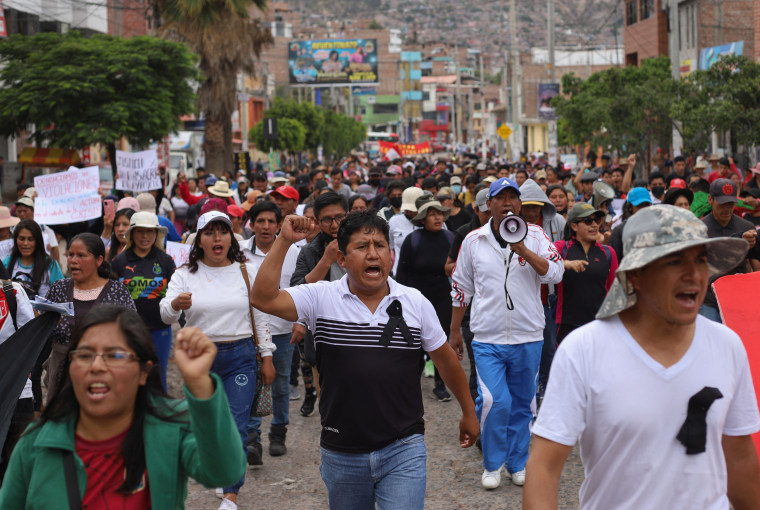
{"x": 482, "y": 108}
{"x": 516, "y": 99}
{"x": 457, "y": 99}
{"x": 552, "y": 131}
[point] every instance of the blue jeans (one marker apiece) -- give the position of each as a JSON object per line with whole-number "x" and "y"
{"x": 282, "y": 359}
{"x": 162, "y": 341}
{"x": 711, "y": 313}
{"x": 235, "y": 363}
{"x": 394, "y": 477}
{"x": 550, "y": 342}
{"x": 507, "y": 377}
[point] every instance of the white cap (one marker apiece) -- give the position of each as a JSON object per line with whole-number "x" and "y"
{"x": 212, "y": 216}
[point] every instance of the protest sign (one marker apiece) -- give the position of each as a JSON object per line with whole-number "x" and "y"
{"x": 179, "y": 252}
{"x": 138, "y": 171}
{"x": 67, "y": 197}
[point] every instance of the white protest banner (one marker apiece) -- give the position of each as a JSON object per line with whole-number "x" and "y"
{"x": 179, "y": 252}
{"x": 138, "y": 171}
{"x": 68, "y": 197}
{"x": 5, "y": 250}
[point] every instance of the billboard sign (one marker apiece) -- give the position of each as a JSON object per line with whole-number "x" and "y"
{"x": 546, "y": 91}
{"x": 332, "y": 62}
{"x": 708, "y": 56}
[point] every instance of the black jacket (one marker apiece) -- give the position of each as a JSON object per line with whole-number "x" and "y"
{"x": 309, "y": 258}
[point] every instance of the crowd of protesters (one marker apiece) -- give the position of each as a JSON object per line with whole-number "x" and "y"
{"x": 355, "y": 279}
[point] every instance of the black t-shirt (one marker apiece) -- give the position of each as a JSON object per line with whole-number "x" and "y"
{"x": 735, "y": 228}
{"x": 580, "y": 295}
{"x": 147, "y": 280}
{"x": 458, "y": 220}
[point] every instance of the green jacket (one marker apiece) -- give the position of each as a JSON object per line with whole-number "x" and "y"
{"x": 208, "y": 450}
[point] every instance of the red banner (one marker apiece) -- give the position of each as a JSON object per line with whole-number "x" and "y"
{"x": 3, "y": 29}
{"x": 405, "y": 149}
{"x": 737, "y": 301}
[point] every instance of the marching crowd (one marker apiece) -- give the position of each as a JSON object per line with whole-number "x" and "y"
{"x": 361, "y": 277}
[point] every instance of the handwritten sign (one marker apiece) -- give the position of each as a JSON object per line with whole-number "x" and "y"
{"x": 5, "y": 250}
{"x": 179, "y": 252}
{"x": 67, "y": 197}
{"x": 138, "y": 171}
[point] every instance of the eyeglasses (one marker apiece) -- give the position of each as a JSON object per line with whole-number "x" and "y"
{"x": 590, "y": 221}
{"x": 111, "y": 358}
{"x": 327, "y": 220}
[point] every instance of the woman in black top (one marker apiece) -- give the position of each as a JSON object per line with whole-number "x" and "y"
{"x": 422, "y": 262}
{"x": 146, "y": 270}
{"x": 458, "y": 215}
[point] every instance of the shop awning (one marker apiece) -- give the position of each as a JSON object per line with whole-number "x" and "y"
{"x": 49, "y": 157}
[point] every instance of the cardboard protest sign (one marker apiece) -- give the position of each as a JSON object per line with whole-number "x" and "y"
{"x": 736, "y": 299}
{"x": 179, "y": 252}
{"x": 68, "y": 197}
{"x": 138, "y": 171}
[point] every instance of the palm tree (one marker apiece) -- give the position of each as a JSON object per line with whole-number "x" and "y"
{"x": 227, "y": 40}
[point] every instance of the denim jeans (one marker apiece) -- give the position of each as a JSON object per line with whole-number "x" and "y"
{"x": 235, "y": 363}
{"x": 550, "y": 343}
{"x": 394, "y": 477}
{"x": 282, "y": 360}
{"x": 162, "y": 341}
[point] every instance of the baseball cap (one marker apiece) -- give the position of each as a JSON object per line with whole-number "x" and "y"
{"x": 27, "y": 201}
{"x": 481, "y": 200}
{"x": 480, "y": 166}
{"x": 260, "y": 176}
{"x": 408, "y": 197}
{"x": 210, "y": 180}
{"x": 207, "y": 218}
{"x": 500, "y": 185}
{"x": 638, "y": 196}
{"x": 147, "y": 202}
{"x": 582, "y": 210}
{"x": 233, "y": 210}
{"x": 656, "y": 232}
{"x": 288, "y": 192}
{"x": 540, "y": 174}
{"x": 589, "y": 177}
{"x": 723, "y": 191}
{"x": 677, "y": 183}
{"x": 458, "y": 180}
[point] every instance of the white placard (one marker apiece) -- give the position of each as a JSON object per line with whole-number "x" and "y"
{"x": 138, "y": 171}
{"x": 179, "y": 252}
{"x": 5, "y": 250}
{"x": 68, "y": 197}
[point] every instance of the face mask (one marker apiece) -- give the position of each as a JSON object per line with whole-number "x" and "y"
{"x": 374, "y": 182}
{"x": 457, "y": 188}
{"x": 395, "y": 202}
{"x": 658, "y": 191}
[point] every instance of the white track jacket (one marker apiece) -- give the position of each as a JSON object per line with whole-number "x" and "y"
{"x": 481, "y": 272}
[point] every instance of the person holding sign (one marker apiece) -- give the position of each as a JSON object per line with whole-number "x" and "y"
{"x": 146, "y": 270}
{"x": 128, "y": 445}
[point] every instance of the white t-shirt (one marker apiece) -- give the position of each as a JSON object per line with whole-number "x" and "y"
{"x": 399, "y": 227}
{"x": 627, "y": 410}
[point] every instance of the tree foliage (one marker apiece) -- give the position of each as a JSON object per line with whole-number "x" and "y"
{"x": 338, "y": 134}
{"x": 78, "y": 91}
{"x": 291, "y": 136}
{"x": 726, "y": 97}
{"x": 628, "y": 109}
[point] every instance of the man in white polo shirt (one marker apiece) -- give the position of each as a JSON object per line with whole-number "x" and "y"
{"x": 369, "y": 333}
{"x": 659, "y": 397}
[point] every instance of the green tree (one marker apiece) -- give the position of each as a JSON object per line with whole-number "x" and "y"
{"x": 726, "y": 97}
{"x": 308, "y": 114}
{"x": 341, "y": 134}
{"x": 628, "y": 109}
{"x": 291, "y": 136}
{"x": 374, "y": 25}
{"x": 228, "y": 41}
{"x": 78, "y": 91}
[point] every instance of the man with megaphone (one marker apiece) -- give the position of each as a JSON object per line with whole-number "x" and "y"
{"x": 504, "y": 263}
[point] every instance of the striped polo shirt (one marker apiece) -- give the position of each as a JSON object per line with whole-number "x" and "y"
{"x": 370, "y": 393}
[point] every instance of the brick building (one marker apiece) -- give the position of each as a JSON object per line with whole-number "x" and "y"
{"x": 129, "y": 18}
{"x": 645, "y": 31}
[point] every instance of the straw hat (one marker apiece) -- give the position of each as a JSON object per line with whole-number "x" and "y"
{"x": 220, "y": 189}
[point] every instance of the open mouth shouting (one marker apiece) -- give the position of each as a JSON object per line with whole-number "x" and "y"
{"x": 98, "y": 391}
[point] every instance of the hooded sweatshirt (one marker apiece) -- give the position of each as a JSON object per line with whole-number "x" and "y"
{"x": 553, "y": 224}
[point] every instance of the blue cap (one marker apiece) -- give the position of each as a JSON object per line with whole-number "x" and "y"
{"x": 638, "y": 196}
{"x": 279, "y": 174}
{"x": 501, "y": 184}
{"x": 211, "y": 180}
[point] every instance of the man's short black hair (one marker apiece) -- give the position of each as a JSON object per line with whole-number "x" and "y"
{"x": 700, "y": 185}
{"x": 336, "y": 171}
{"x": 724, "y": 162}
{"x": 23, "y": 186}
{"x": 329, "y": 198}
{"x": 522, "y": 171}
{"x": 263, "y": 206}
{"x": 679, "y": 159}
{"x": 617, "y": 169}
{"x": 656, "y": 175}
{"x": 366, "y": 221}
{"x": 606, "y": 157}
{"x": 314, "y": 173}
{"x": 394, "y": 184}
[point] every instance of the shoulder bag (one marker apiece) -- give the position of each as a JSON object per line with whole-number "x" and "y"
{"x": 262, "y": 402}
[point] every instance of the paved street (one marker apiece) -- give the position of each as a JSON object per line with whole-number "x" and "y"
{"x": 293, "y": 481}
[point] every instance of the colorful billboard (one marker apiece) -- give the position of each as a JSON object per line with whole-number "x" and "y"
{"x": 546, "y": 91}
{"x": 333, "y": 62}
{"x": 708, "y": 56}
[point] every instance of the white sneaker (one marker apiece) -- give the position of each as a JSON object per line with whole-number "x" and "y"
{"x": 219, "y": 493}
{"x": 227, "y": 505}
{"x": 519, "y": 478}
{"x": 294, "y": 394}
{"x": 491, "y": 479}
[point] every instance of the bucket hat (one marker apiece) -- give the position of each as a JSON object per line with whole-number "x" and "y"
{"x": 656, "y": 232}
{"x": 144, "y": 219}
{"x": 220, "y": 189}
{"x": 423, "y": 204}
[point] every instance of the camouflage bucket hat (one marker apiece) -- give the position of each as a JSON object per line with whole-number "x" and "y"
{"x": 656, "y": 232}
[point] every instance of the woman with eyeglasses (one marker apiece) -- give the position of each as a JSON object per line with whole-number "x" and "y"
{"x": 110, "y": 436}
{"x": 589, "y": 269}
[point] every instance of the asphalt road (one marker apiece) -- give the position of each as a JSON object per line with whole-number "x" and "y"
{"x": 453, "y": 474}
